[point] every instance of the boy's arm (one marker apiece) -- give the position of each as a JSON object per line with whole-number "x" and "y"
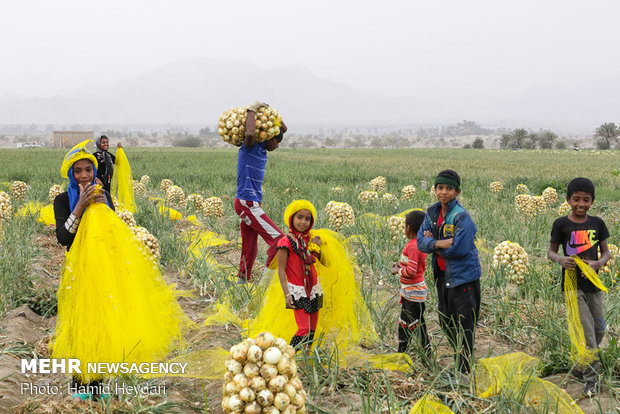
{"x": 566, "y": 262}
{"x": 426, "y": 244}
{"x": 465, "y": 233}
{"x": 282, "y": 259}
{"x": 250, "y": 128}
{"x": 605, "y": 256}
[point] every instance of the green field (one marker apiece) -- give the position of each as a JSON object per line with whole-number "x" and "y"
{"x": 527, "y": 317}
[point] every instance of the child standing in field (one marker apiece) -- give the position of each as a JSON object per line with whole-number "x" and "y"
{"x": 113, "y": 304}
{"x": 412, "y": 287}
{"x": 449, "y": 233}
{"x": 298, "y": 278}
{"x": 583, "y": 235}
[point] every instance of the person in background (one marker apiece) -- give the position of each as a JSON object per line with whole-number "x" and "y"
{"x": 106, "y": 161}
{"x": 251, "y": 163}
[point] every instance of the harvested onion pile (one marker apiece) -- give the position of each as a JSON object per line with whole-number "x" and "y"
{"x": 5, "y": 206}
{"x": 397, "y": 227}
{"x": 127, "y": 217}
{"x": 175, "y": 195}
{"x": 496, "y": 186}
{"x": 530, "y": 205}
{"x": 213, "y": 206}
{"x": 139, "y": 188}
{"x": 407, "y": 192}
{"x": 18, "y": 190}
{"x": 54, "y": 192}
{"x": 195, "y": 202}
{"x": 150, "y": 241}
{"x": 340, "y": 215}
{"x": 564, "y": 209}
{"x": 366, "y": 196}
{"x": 522, "y": 189}
{"x": 378, "y": 184}
{"x": 550, "y": 195}
{"x": 513, "y": 258}
{"x": 145, "y": 179}
{"x": 232, "y": 124}
{"x": 262, "y": 378}
{"x": 611, "y": 263}
{"x": 165, "y": 184}
{"x": 337, "y": 190}
{"x": 388, "y": 198}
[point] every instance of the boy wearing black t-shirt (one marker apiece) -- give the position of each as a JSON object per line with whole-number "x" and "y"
{"x": 583, "y": 235}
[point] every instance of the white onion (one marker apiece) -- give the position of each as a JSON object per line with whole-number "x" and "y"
{"x": 247, "y": 394}
{"x": 252, "y": 408}
{"x": 232, "y": 388}
{"x": 290, "y": 391}
{"x": 299, "y": 400}
{"x": 268, "y": 371}
{"x": 233, "y": 366}
{"x": 258, "y": 384}
{"x": 265, "y": 398}
{"x": 251, "y": 370}
{"x": 277, "y": 384}
{"x": 241, "y": 380}
{"x": 272, "y": 355}
{"x": 283, "y": 364}
{"x": 235, "y": 403}
{"x": 281, "y": 401}
{"x": 255, "y": 354}
{"x": 264, "y": 340}
{"x": 281, "y": 344}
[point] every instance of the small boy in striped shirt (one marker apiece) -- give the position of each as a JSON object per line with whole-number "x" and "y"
{"x": 412, "y": 287}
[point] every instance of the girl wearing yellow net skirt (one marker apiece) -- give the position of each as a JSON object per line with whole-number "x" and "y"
{"x": 113, "y": 304}
{"x": 344, "y": 316}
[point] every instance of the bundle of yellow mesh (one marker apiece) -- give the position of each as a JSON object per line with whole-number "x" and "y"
{"x": 429, "y": 405}
{"x": 44, "y": 214}
{"x": 581, "y": 355}
{"x": 113, "y": 304}
{"x": 122, "y": 182}
{"x": 516, "y": 375}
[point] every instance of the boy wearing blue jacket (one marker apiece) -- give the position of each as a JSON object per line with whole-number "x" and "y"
{"x": 448, "y": 232}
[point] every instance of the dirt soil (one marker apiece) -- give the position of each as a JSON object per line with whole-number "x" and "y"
{"x": 23, "y": 332}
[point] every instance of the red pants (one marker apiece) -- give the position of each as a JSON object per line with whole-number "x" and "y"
{"x": 254, "y": 221}
{"x": 306, "y": 322}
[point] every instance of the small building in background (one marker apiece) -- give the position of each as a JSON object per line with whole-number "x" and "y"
{"x": 67, "y": 139}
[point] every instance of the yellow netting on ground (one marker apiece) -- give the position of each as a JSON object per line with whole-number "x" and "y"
{"x": 516, "y": 375}
{"x": 580, "y": 354}
{"x": 113, "y": 304}
{"x": 44, "y": 214}
{"x": 429, "y": 405}
{"x": 122, "y": 182}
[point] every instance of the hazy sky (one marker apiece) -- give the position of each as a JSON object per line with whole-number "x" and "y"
{"x": 446, "y": 49}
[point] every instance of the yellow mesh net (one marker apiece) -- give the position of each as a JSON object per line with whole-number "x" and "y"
{"x": 44, "y": 214}
{"x": 122, "y": 182}
{"x": 113, "y": 304}
{"x": 429, "y": 405}
{"x": 580, "y": 354}
{"x": 516, "y": 375}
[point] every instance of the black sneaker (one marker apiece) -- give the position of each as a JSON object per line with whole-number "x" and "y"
{"x": 591, "y": 388}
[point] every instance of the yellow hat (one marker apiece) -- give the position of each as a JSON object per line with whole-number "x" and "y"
{"x": 78, "y": 152}
{"x": 296, "y": 206}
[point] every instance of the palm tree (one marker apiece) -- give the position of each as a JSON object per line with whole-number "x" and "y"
{"x": 606, "y": 135}
{"x": 547, "y": 138}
